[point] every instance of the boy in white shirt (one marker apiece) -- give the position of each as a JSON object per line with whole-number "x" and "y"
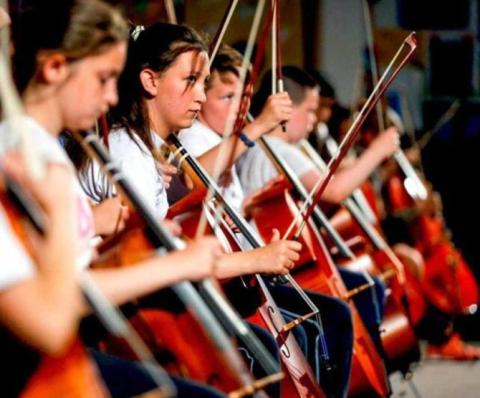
{"x": 256, "y": 169}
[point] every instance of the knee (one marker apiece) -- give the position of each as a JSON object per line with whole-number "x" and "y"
{"x": 342, "y": 313}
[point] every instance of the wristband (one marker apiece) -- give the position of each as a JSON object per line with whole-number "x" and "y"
{"x": 247, "y": 141}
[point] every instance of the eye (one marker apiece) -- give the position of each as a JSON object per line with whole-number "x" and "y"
{"x": 191, "y": 79}
{"x": 227, "y": 97}
{"x": 104, "y": 78}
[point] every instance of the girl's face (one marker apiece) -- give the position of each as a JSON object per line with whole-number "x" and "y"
{"x": 91, "y": 87}
{"x": 181, "y": 91}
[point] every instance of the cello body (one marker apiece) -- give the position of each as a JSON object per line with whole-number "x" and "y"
{"x": 448, "y": 283}
{"x": 71, "y": 374}
{"x": 315, "y": 271}
{"x": 263, "y": 311}
{"x": 175, "y": 336}
{"x": 404, "y": 303}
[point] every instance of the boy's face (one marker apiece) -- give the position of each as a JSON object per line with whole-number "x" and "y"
{"x": 215, "y": 110}
{"x": 303, "y": 117}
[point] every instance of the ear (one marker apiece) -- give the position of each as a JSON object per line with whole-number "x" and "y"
{"x": 54, "y": 67}
{"x": 149, "y": 81}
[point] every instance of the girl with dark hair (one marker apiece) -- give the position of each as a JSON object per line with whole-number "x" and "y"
{"x": 205, "y": 134}
{"x": 161, "y": 91}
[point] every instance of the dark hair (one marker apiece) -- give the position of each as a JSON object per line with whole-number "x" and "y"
{"x": 326, "y": 89}
{"x": 75, "y": 28}
{"x": 340, "y": 115}
{"x": 295, "y": 81}
{"x": 156, "y": 48}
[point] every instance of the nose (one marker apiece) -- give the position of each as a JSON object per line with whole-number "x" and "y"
{"x": 312, "y": 120}
{"x": 111, "y": 94}
{"x": 200, "y": 95}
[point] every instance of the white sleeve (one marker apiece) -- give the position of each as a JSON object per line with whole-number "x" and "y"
{"x": 195, "y": 143}
{"x": 15, "y": 264}
{"x": 295, "y": 158}
{"x": 140, "y": 170}
{"x": 255, "y": 169}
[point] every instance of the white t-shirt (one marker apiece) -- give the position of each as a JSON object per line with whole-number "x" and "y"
{"x": 138, "y": 166}
{"x": 199, "y": 139}
{"x": 15, "y": 264}
{"x": 255, "y": 168}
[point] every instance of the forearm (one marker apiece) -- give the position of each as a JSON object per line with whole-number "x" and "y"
{"x": 235, "y": 264}
{"x": 121, "y": 285}
{"x": 210, "y": 158}
{"x": 348, "y": 179}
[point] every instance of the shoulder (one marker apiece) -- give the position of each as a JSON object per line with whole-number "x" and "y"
{"x": 295, "y": 158}
{"x": 123, "y": 144}
{"x": 288, "y": 150}
{"x": 120, "y": 138}
{"x": 46, "y": 144}
{"x": 198, "y": 138}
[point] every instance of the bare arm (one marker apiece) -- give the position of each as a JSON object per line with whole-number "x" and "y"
{"x": 277, "y": 109}
{"x": 109, "y": 216}
{"x": 352, "y": 176}
{"x": 278, "y": 257}
{"x": 195, "y": 262}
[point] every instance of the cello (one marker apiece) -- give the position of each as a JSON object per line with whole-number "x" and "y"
{"x": 158, "y": 237}
{"x": 301, "y": 381}
{"x": 366, "y": 233}
{"x": 316, "y": 271}
{"x": 448, "y": 282}
{"x": 71, "y": 373}
{"x": 398, "y": 338}
{"x": 310, "y": 202}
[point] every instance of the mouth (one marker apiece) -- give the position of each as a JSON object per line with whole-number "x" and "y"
{"x": 194, "y": 112}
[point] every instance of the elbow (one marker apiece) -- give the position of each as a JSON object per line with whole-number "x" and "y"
{"x": 58, "y": 337}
